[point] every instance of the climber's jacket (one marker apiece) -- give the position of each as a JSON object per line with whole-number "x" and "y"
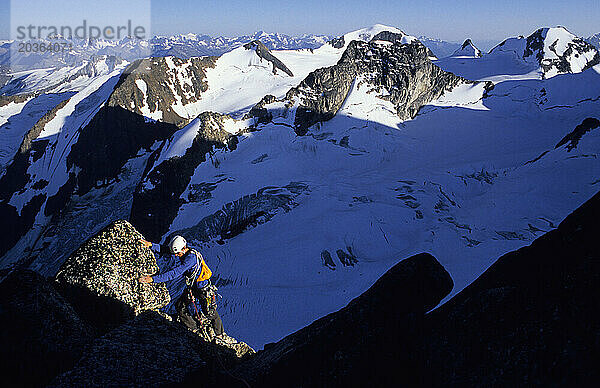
{"x": 188, "y": 266}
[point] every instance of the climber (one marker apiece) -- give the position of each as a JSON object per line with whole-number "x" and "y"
{"x": 197, "y": 275}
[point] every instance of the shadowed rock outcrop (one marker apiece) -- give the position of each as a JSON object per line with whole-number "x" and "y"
{"x": 41, "y": 335}
{"x": 100, "y": 278}
{"x": 573, "y": 138}
{"x": 530, "y": 320}
{"x": 148, "y": 351}
{"x": 362, "y": 344}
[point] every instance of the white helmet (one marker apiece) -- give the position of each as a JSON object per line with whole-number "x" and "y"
{"x": 177, "y": 244}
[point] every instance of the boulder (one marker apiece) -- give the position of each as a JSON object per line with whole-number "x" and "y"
{"x": 40, "y": 334}
{"x": 100, "y": 278}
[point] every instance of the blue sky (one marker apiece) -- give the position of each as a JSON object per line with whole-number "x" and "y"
{"x": 448, "y": 20}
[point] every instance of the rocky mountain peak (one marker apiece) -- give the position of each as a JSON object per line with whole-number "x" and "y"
{"x": 160, "y": 88}
{"x": 264, "y": 53}
{"x": 594, "y": 40}
{"x": 400, "y": 73}
{"x": 369, "y": 34}
{"x": 105, "y": 269}
{"x": 467, "y": 49}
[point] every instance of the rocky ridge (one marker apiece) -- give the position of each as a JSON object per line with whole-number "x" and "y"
{"x": 95, "y": 315}
{"x": 264, "y": 53}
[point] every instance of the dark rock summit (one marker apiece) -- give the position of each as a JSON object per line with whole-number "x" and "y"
{"x": 467, "y": 49}
{"x": 100, "y": 278}
{"x": 399, "y": 73}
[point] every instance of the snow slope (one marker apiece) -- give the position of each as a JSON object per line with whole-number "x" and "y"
{"x": 461, "y": 181}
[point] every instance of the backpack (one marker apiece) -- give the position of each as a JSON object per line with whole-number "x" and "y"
{"x": 202, "y": 272}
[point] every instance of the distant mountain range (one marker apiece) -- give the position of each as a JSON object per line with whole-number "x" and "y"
{"x": 594, "y": 40}
{"x": 182, "y": 46}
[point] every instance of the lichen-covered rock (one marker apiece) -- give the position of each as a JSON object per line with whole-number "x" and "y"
{"x": 40, "y": 334}
{"x": 106, "y": 268}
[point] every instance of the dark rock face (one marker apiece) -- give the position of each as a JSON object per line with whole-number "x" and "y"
{"x": 147, "y": 351}
{"x": 580, "y": 130}
{"x": 100, "y": 278}
{"x": 5, "y": 100}
{"x": 263, "y": 52}
{"x": 40, "y": 333}
{"x": 338, "y": 42}
{"x": 16, "y": 178}
{"x": 362, "y": 344}
{"x": 117, "y": 132}
{"x": 530, "y": 320}
{"x": 155, "y": 208}
{"x": 468, "y": 48}
{"x": 15, "y": 225}
{"x": 259, "y": 112}
{"x": 396, "y": 38}
{"x": 403, "y": 70}
{"x": 466, "y": 44}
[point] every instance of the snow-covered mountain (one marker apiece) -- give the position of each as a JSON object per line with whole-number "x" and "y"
{"x": 439, "y": 47}
{"x": 594, "y": 40}
{"x": 468, "y": 49}
{"x": 303, "y": 175}
{"x": 181, "y": 46}
{"x": 61, "y": 79}
{"x": 552, "y": 50}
